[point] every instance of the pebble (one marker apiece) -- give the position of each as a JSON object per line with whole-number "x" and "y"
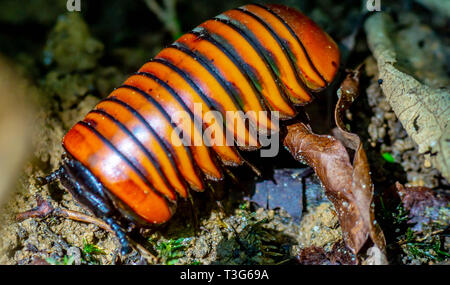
{"x": 75, "y": 253}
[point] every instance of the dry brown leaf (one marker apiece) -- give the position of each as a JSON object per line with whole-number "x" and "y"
{"x": 423, "y": 111}
{"x": 348, "y": 186}
{"x": 361, "y": 180}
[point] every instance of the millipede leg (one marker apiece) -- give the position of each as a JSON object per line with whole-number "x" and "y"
{"x": 88, "y": 191}
{"x": 55, "y": 175}
{"x": 121, "y": 235}
{"x": 194, "y": 215}
{"x": 88, "y": 195}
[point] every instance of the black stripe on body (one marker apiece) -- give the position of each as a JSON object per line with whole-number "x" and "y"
{"x": 283, "y": 47}
{"x": 193, "y": 85}
{"x": 186, "y": 77}
{"x": 261, "y": 53}
{"x": 296, "y": 37}
{"x": 197, "y": 57}
{"x": 166, "y": 117}
{"x": 168, "y": 89}
{"x": 237, "y": 61}
{"x": 178, "y": 99}
{"x": 124, "y": 159}
{"x": 161, "y": 143}
{"x": 213, "y": 71}
{"x": 137, "y": 142}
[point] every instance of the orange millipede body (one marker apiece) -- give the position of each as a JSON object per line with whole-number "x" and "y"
{"x": 248, "y": 60}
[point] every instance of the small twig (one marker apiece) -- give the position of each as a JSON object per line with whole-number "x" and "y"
{"x": 45, "y": 209}
{"x": 283, "y": 262}
{"x": 401, "y": 242}
{"x": 77, "y": 216}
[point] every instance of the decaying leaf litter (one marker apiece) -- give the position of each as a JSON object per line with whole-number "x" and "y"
{"x": 347, "y": 185}
{"x": 422, "y": 108}
{"x": 256, "y": 235}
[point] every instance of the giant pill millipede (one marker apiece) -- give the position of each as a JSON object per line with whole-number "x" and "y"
{"x": 123, "y": 161}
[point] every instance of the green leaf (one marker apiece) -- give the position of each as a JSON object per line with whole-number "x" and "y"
{"x": 388, "y": 157}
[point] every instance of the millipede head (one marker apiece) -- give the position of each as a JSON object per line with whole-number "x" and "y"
{"x": 85, "y": 188}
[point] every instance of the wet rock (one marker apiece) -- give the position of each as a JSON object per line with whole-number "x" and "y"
{"x": 284, "y": 191}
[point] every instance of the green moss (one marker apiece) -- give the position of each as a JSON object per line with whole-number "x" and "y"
{"x": 414, "y": 247}
{"x": 90, "y": 253}
{"x": 170, "y": 251}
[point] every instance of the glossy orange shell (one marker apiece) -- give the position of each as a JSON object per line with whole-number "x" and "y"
{"x": 252, "y": 58}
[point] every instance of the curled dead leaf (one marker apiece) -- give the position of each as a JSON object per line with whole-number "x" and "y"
{"x": 348, "y": 186}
